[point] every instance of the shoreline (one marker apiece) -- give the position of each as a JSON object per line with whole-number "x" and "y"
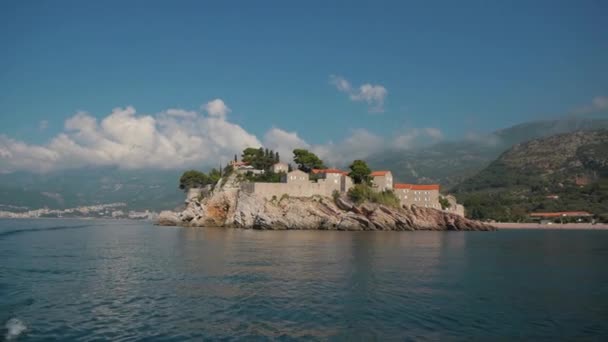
{"x": 555, "y": 226}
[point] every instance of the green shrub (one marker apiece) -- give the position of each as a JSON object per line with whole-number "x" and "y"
{"x": 335, "y": 194}
{"x": 361, "y": 193}
{"x": 284, "y": 196}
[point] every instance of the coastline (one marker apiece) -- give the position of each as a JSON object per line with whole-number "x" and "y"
{"x": 564, "y": 226}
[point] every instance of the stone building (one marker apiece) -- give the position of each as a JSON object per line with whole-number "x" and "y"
{"x": 454, "y": 207}
{"x": 280, "y": 167}
{"x": 382, "y": 180}
{"x": 334, "y": 179}
{"x": 426, "y": 195}
{"x": 298, "y": 184}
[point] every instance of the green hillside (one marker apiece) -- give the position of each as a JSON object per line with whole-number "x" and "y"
{"x": 559, "y": 173}
{"x": 450, "y": 163}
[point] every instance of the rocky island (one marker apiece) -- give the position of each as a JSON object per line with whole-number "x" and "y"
{"x": 228, "y": 205}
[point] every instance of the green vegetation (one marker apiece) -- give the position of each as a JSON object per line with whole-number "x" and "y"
{"x": 445, "y": 204}
{"x": 561, "y": 173}
{"x": 307, "y": 160}
{"x": 335, "y": 195}
{"x": 193, "y": 179}
{"x": 266, "y": 177}
{"x": 260, "y": 158}
{"x": 360, "y": 193}
{"x": 360, "y": 172}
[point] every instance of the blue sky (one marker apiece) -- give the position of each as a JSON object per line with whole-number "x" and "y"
{"x": 455, "y": 66}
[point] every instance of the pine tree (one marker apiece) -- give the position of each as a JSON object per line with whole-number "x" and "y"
{"x": 276, "y": 157}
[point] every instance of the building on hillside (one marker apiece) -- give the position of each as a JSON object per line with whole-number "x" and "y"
{"x": 334, "y": 179}
{"x": 454, "y": 207}
{"x": 421, "y": 195}
{"x": 296, "y": 177}
{"x": 578, "y": 216}
{"x": 382, "y": 180}
{"x": 298, "y": 184}
{"x": 280, "y": 167}
{"x": 242, "y": 167}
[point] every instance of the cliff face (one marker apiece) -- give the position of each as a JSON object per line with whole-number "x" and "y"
{"x": 229, "y": 207}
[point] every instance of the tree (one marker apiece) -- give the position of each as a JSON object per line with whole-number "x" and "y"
{"x": 276, "y": 157}
{"x": 249, "y": 154}
{"x": 307, "y": 160}
{"x": 235, "y": 158}
{"x": 445, "y": 204}
{"x": 214, "y": 176}
{"x": 193, "y": 179}
{"x": 360, "y": 172}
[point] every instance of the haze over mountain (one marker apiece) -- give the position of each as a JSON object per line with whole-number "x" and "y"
{"x": 450, "y": 162}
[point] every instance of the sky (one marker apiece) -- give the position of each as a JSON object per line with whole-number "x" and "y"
{"x": 136, "y": 83}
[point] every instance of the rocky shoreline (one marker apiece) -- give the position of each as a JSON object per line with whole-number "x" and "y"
{"x": 229, "y": 207}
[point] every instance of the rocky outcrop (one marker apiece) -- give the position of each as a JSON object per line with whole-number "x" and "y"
{"x": 229, "y": 207}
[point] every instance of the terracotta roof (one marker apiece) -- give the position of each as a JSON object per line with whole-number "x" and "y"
{"x": 379, "y": 173}
{"x": 316, "y": 171}
{"x": 238, "y": 163}
{"x": 417, "y": 186}
{"x": 561, "y": 214}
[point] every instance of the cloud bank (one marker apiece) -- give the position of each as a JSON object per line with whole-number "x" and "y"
{"x": 179, "y": 139}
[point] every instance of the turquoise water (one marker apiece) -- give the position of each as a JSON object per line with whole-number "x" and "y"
{"x": 125, "y": 281}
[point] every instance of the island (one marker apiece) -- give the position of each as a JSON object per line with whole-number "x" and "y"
{"x": 261, "y": 192}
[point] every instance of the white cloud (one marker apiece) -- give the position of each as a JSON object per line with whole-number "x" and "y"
{"x": 178, "y": 139}
{"x": 417, "y": 136}
{"x": 217, "y": 108}
{"x": 341, "y": 83}
{"x": 373, "y": 95}
{"x": 598, "y": 104}
{"x": 284, "y": 142}
{"x": 434, "y": 133}
{"x": 125, "y": 139}
{"x": 358, "y": 145}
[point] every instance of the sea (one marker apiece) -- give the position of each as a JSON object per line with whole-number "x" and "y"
{"x": 96, "y": 280}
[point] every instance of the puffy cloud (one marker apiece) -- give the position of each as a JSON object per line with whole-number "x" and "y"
{"x": 172, "y": 139}
{"x": 373, "y": 95}
{"x": 358, "y": 145}
{"x": 217, "y": 108}
{"x": 284, "y": 142}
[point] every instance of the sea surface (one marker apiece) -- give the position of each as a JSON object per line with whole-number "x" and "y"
{"x": 84, "y": 280}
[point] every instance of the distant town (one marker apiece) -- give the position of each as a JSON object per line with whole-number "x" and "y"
{"x": 109, "y": 211}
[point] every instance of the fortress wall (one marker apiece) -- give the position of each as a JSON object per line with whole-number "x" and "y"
{"x": 268, "y": 190}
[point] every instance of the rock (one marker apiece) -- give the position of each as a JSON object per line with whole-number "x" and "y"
{"x": 227, "y": 206}
{"x": 168, "y": 218}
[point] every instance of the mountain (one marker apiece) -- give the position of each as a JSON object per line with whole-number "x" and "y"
{"x": 449, "y": 163}
{"x": 139, "y": 189}
{"x": 559, "y": 173}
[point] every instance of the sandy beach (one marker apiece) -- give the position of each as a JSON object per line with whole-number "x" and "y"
{"x": 569, "y": 226}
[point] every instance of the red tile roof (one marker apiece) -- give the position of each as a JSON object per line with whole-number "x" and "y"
{"x": 316, "y": 171}
{"x": 417, "y": 186}
{"x": 379, "y": 173}
{"x": 561, "y": 214}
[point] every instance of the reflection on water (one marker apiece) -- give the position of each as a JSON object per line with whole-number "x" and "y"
{"x": 128, "y": 280}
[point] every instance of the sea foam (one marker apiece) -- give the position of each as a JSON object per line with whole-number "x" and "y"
{"x": 14, "y": 328}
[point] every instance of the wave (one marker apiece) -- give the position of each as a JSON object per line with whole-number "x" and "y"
{"x": 33, "y": 230}
{"x": 14, "y": 327}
